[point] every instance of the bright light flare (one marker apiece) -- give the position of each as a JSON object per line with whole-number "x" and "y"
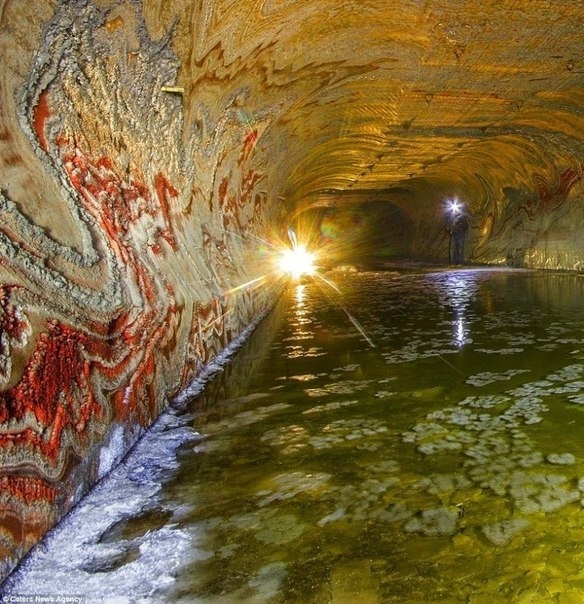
{"x": 297, "y": 261}
{"x": 454, "y": 206}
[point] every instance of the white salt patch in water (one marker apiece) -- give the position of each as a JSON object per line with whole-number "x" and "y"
{"x": 227, "y": 551}
{"x": 289, "y": 439}
{"x": 485, "y": 402}
{"x": 291, "y": 484}
{"x": 245, "y": 418}
{"x": 341, "y": 387}
{"x": 303, "y": 378}
{"x": 569, "y": 388}
{"x": 347, "y": 430}
{"x": 388, "y": 466}
{"x": 502, "y": 351}
{"x": 500, "y": 533}
{"x": 348, "y": 368}
{"x": 397, "y": 512}
{"x": 440, "y": 484}
{"x": 438, "y": 521}
{"x": 334, "y": 516}
{"x": 568, "y": 373}
{"x": 488, "y": 377}
{"x": 268, "y": 580}
{"x": 250, "y": 520}
{"x": 371, "y": 446}
{"x": 329, "y": 407}
{"x": 387, "y": 380}
{"x": 438, "y": 447}
{"x": 530, "y": 460}
{"x": 301, "y": 352}
{"x": 536, "y": 492}
{"x": 563, "y": 459}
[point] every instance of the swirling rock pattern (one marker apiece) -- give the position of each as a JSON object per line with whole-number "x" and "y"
{"x": 149, "y": 149}
{"x": 122, "y": 244}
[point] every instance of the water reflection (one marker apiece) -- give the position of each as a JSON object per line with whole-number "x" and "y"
{"x": 457, "y": 293}
{"x": 461, "y": 332}
{"x": 300, "y": 312}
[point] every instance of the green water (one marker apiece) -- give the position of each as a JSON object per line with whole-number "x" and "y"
{"x": 445, "y": 463}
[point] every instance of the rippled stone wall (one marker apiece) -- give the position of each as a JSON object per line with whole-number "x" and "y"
{"x": 123, "y": 240}
{"x": 531, "y": 219}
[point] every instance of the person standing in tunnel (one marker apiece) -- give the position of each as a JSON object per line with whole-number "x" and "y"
{"x": 458, "y": 222}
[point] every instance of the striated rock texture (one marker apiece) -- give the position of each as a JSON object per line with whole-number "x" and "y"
{"x": 123, "y": 242}
{"x": 152, "y": 153}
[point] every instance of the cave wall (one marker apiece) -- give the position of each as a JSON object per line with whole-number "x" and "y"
{"x": 124, "y": 240}
{"x": 535, "y": 227}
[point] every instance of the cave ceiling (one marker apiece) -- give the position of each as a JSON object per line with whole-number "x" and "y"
{"x": 370, "y": 96}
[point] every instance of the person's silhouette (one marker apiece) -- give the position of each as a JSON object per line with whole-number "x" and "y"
{"x": 457, "y": 226}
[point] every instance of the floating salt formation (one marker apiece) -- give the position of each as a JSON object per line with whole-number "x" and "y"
{"x": 395, "y": 512}
{"x": 336, "y": 515}
{"x": 438, "y": 521}
{"x": 341, "y": 387}
{"x": 565, "y": 459}
{"x": 268, "y": 580}
{"x": 500, "y": 533}
{"x": 329, "y": 407}
{"x": 427, "y": 393}
{"x": 289, "y": 485}
{"x": 536, "y": 492}
{"x": 443, "y": 483}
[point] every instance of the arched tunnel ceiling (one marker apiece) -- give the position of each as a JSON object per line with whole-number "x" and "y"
{"x": 370, "y": 95}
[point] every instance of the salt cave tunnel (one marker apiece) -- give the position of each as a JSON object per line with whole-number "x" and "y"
{"x": 152, "y": 154}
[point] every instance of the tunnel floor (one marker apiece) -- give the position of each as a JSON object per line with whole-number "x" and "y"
{"x": 385, "y": 436}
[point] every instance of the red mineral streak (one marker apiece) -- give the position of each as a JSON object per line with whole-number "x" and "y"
{"x": 55, "y": 386}
{"x": 115, "y": 204}
{"x": 232, "y": 204}
{"x": 28, "y": 488}
{"x": 138, "y": 398}
{"x": 553, "y": 194}
{"x": 40, "y": 115}
{"x": 249, "y": 143}
{"x": 228, "y": 204}
{"x": 124, "y": 202}
{"x": 55, "y": 389}
{"x": 164, "y": 190}
{"x": 13, "y": 160}
{"x": 250, "y": 181}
